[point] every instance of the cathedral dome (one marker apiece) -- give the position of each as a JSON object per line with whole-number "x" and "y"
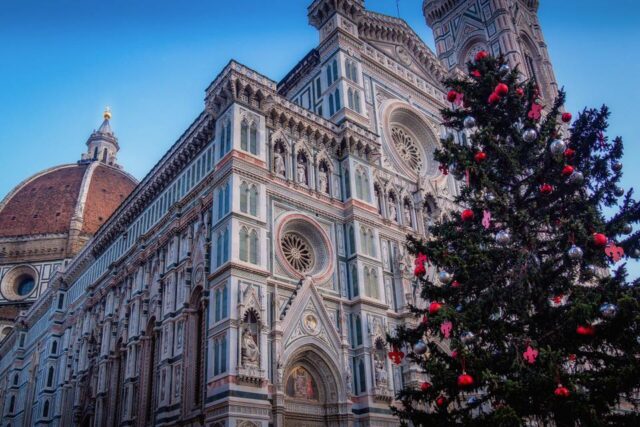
{"x": 49, "y": 201}
{"x": 50, "y": 215}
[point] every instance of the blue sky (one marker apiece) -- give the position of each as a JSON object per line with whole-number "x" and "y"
{"x": 62, "y": 61}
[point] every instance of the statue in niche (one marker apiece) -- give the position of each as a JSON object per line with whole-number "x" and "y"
{"x": 302, "y": 170}
{"x": 278, "y": 162}
{"x": 407, "y": 215}
{"x": 323, "y": 180}
{"x": 393, "y": 210}
{"x": 250, "y": 351}
{"x": 347, "y": 381}
{"x": 381, "y": 372}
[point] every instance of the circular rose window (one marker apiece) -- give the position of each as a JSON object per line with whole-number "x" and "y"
{"x": 303, "y": 247}
{"x": 297, "y": 251}
{"x": 407, "y": 147}
{"x": 409, "y": 140}
{"x": 19, "y": 283}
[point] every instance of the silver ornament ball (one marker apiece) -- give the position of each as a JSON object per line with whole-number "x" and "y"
{"x": 504, "y": 68}
{"x": 473, "y": 401}
{"x": 503, "y": 237}
{"x": 591, "y": 270}
{"x": 576, "y": 178}
{"x": 608, "y": 310}
{"x": 574, "y": 252}
{"x": 489, "y": 197}
{"x": 627, "y": 228}
{"x": 469, "y": 122}
{"x": 618, "y": 191}
{"x": 636, "y": 253}
{"x": 444, "y": 277}
{"x": 616, "y": 166}
{"x": 529, "y": 135}
{"x": 420, "y": 347}
{"x": 467, "y": 337}
{"x": 557, "y": 147}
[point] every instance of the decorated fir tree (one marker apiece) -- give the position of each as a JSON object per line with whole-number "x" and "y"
{"x": 530, "y": 318}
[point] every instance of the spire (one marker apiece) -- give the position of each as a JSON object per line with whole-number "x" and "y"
{"x": 102, "y": 145}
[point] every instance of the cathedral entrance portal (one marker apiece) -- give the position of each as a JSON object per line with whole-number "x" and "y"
{"x": 312, "y": 395}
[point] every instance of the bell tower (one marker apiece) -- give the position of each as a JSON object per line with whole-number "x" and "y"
{"x": 461, "y": 28}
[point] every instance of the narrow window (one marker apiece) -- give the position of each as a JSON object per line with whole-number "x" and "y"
{"x": 352, "y": 240}
{"x": 331, "y": 106}
{"x": 356, "y": 101}
{"x": 253, "y": 201}
{"x": 244, "y": 193}
{"x": 244, "y": 251}
{"x": 354, "y": 281}
{"x": 225, "y": 297}
{"x": 253, "y": 140}
{"x": 244, "y": 136}
{"x": 50, "y": 377}
{"x": 227, "y": 196}
{"x": 334, "y": 69}
{"x": 45, "y": 409}
{"x": 225, "y": 249}
{"x": 253, "y": 258}
{"x": 337, "y": 99}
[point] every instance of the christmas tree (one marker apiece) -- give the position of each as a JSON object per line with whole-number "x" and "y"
{"x": 530, "y": 318}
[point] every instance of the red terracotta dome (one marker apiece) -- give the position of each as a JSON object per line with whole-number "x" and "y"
{"x": 80, "y": 196}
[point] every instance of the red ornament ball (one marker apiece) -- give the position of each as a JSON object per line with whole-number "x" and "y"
{"x": 440, "y": 401}
{"x": 546, "y": 189}
{"x": 599, "y": 239}
{"x": 562, "y": 391}
{"x": 502, "y": 89}
{"x": 434, "y": 308}
{"x": 520, "y": 92}
{"x": 567, "y": 170}
{"x": 465, "y": 380}
{"x": 454, "y": 354}
{"x": 494, "y": 98}
{"x": 452, "y": 95}
{"x": 480, "y": 157}
{"x": 425, "y": 386}
{"x": 466, "y": 215}
{"x": 419, "y": 271}
{"x": 569, "y": 153}
{"x": 396, "y": 356}
{"x": 566, "y": 117}
{"x": 455, "y": 284}
{"x": 481, "y": 55}
{"x": 586, "y": 330}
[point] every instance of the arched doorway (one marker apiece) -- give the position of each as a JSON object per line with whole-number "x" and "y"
{"x": 314, "y": 392}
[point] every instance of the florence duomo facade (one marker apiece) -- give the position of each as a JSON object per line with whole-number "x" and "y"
{"x": 251, "y": 277}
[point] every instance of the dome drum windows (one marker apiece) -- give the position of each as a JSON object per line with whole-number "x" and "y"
{"x": 19, "y": 283}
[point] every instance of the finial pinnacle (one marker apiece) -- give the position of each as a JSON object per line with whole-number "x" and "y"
{"x": 107, "y": 113}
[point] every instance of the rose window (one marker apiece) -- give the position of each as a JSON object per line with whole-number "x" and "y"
{"x": 297, "y": 251}
{"x": 407, "y": 148}
{"x": 302, "y": 248}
